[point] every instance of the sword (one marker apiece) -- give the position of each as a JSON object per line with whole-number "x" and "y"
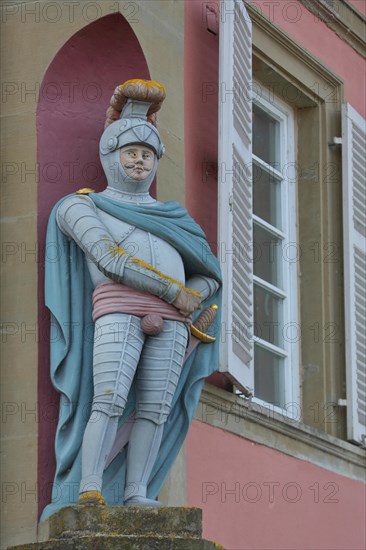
{"x": 198, "y": 335}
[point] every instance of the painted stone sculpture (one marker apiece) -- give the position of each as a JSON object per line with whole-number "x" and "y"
{"x": 132, "y": 275}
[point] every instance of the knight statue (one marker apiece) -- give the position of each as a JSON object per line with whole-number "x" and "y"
{"x": 131, "y": 276}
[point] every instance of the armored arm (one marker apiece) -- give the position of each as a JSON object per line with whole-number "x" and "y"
{"x": 78, "y": 218}
{"x": 206, "y": 286}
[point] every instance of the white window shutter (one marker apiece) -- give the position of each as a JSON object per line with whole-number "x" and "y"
{"x": 235, "y": 193}
{"x": 354, "y": 234}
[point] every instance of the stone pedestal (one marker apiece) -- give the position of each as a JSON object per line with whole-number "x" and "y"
{"x": 128, "y": 528}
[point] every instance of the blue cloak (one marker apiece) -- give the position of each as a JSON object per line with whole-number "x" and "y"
{"x": 68, "y": 290}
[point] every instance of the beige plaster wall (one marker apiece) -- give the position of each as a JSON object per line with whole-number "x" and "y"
{"x": 160, "y": 29}
{"x": 32, "y": 34}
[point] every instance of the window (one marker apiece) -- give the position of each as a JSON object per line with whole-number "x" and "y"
{"x": 257, "y": 226}
{"x": 275, "y": 251}
{"x": 316, "y": 355}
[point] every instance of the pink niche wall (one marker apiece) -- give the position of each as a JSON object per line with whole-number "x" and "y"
{"x": 256, "y": 498}
{"x": 74, "y": 96}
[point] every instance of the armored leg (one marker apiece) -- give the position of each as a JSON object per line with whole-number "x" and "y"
{"x": 117, "y": 348}
{"x": 157, "y": 377}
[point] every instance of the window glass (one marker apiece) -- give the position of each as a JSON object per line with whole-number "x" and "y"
{"x": 267, "y": 256}
{"x": 269, "y": 380}
{"x": 266, "y": 137}
{"x": 268, "y": 316}
{"x": 266, "y": 196}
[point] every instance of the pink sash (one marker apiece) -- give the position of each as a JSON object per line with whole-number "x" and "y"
{"x": 111, "y": 297}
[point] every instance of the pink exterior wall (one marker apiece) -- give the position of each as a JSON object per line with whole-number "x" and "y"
{"x": 254, "y": 497}
{"x": 311, "y": 506}
{"x": 201, "y": 64}
{"x": 323, "y": 43}
{"x": 201, "y": 55}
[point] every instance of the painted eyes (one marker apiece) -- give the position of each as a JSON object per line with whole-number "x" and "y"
{"x": 133, "y": 155}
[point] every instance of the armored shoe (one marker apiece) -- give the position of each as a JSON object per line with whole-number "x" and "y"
{"x": 92, "y": 497}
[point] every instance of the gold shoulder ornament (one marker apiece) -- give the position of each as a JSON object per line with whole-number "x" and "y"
{"x": 85, "y": 191}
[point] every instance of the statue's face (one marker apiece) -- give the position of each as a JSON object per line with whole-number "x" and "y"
{"x": 137, "y": 161}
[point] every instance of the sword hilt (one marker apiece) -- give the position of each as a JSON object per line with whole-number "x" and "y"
{"x": 203, "y": 323}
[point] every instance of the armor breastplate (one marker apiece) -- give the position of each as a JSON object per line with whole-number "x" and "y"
{"x": 142, "y": 245}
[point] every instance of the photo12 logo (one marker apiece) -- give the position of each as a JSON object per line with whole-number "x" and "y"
{"x": 269, "y": 492}
{"x": 69, "y": 12}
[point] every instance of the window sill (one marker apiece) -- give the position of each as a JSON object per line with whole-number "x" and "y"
{"x": 231, "y": 413}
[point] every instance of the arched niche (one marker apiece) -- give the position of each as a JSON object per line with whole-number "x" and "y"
{"x": 74, "y": 96}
